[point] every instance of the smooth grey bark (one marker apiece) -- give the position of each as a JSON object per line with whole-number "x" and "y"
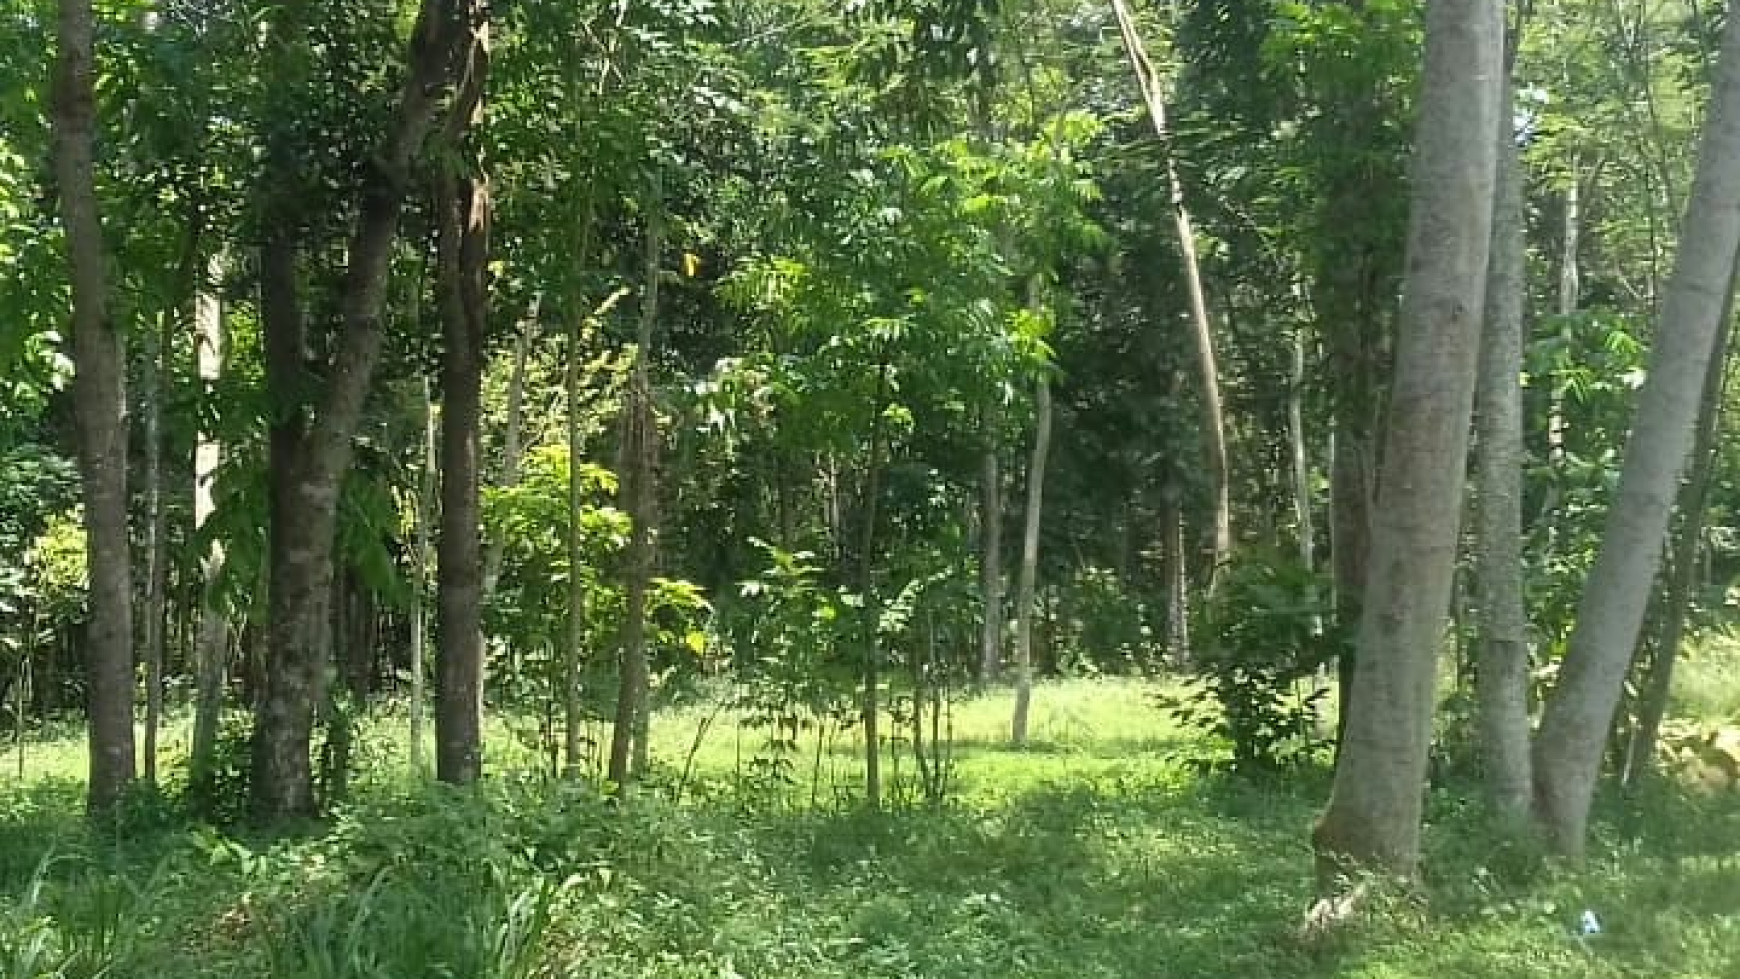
{"x": 1301, "y": 459}
{"x": 154, "y": 616}
{"x": 1579, "y": 714}
{"x": 573, "y": 724}
{"x": 1373, "y": 817}
{"x": 870, "y": 709}
{"x": 211, "y": 648}
{"x": 640, "y": 444}
{"x": 463, "y": 229}
{"x": 99, "y": 413}
{"x": 1208, "y": 373}
{"x": 1029, "y": 572}
{"x": 1503, "y": 674}
{"x": 991, "y": 551}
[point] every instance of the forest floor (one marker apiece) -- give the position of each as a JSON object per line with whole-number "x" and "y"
{"x": 1098, "y": 851}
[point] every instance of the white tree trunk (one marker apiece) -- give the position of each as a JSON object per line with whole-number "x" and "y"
{"x": 211, "y": 653}
{"x": 1373, "y": 819}
{"x": 1030, "y": 564}
{"x": 1579, "y": 714}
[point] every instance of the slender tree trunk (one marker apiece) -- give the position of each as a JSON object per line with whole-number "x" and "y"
{"x": 991, "y": 551}
{"x": 312, "y": 450}
{"x": 154, "y": 618}
{"x": 1373, "y": 818}
{"x": 420, "y": 584}
{"x": 99, "y": 408}
{"x": 1570, "y": 291}
{"x": 211, "y": 651}
{"x": 1208, "y": 374}
{"x": 1676, "y": 597}
{"x": 871, "y": 711}
{"x": 463, "y": 246}
{"x": 513, "y": 440}
{"x": 1030, "y": 563}
{"x": 640, "y": 444}
{"x": 1503, "y": 676}
{"x": 573, "y": 724}
{"x": 1352, "y": 489}
{"x": 1579, "y": 714}
{"x": 1174, "y": 573}
{"x": 1301, "y": 458}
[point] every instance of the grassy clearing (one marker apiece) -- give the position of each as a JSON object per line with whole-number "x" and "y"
{"x": 1099, "y": 852}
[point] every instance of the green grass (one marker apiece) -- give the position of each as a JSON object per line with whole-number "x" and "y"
{"x": 1097, "y": 852}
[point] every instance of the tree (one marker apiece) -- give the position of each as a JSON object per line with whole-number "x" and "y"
{"x": 1373, "y": 818}
{"x": 211, "y": 651}
{"x": 99, "y": 409}
{"x": 1578, "y": 716}
{"x": 1030, "y": 561}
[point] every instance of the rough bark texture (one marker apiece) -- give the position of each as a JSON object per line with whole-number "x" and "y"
{"x": 463, "y": 256}
{"x": 1373, "y": 818}
{"x": 99, "y": 408}
{"x": 211, "y": 652}
{"x": 1504, "y": 656}
{"x": 1030, "y": 563}
{"x": 640, "y": 446}
{"x": 1579, "y": 715}
{"x": 311, "y": 450}
{"x": 1208, "y": 373}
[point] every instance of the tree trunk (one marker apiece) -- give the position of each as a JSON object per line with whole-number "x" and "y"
{"x": 154, "y": 618}
{"x": 1579, "y": 715}
{"x": 991, "y": 552}
{"x": 312, "y": 450}
{"x": 1373, "y": 818}
{"x": 1301, "y": 458}
{"x": 1030, "y": 564}
{"x": 420, "y": 583}
{"x": 871, "y": 710}
{"x": 1352, "y": 488}
{"x": 1208, "y": 374}
{"x": 99, "y": 408}
{"x": 640, "y": 445}
{"x": 1676, "y": 597}
{"x": 573, "y": 733}
{"x": 513, "y": 440}
{"x": 1503, "y": 676}
{"x": 1570, "y": 293}
{"x": 211, "y": 651}
{"x": 463, "y": 247}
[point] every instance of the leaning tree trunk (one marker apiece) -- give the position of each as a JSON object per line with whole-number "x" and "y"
{"x": 463, "y": 257}
{"x": 640, "y": 444}
{"x": 311, "y": 450}
{"x": 1208, "y": 374}
{"x": 211, "y": 650}
{"x": 99, "y": 412}
{"x": 1579, "y": 714}
{"x": 1373, "y": 818}
{"x": 1030, "y": 564}
{"x": 1676, "y": 596}
{"x": 1503, "y": 677}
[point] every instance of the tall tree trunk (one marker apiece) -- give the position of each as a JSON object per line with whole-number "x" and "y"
{"x": 1373, "y": 818}
{"x": 573, "y": 732}
{"x": 1683, "y": 573}
{"x": 154, "y": 617}
{"x": 211, "y": 651}
{"x": 420, "y": 583}
{"x": 513, "y": 439}
{"x": 871, "y": 708}
{"x": 311, "y": 450}
{"x": 1030, "y": 563}
{"x": 1503, "y": 676}
{"x": 1174, "y": 574}
{"x": 1352, "y": 490}
{"x": 463, "y": 247}
{"x": 1208, "y": 373}
{"x": 1570, "y": 293}
{"x": 1579, "y": 714}
{"x": 991, "y": 551}
{"x": 640, "y": 444}
{"x": 1301, "y": 458}
{"x": 99, "y": 408}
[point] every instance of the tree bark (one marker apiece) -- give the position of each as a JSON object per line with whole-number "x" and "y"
{"x": 1503, "y": 675}
{"x": 1373, "y": 818}
{"x": 513, "y": 447}
{"x": 312, "y": 450}
{"x": 573, "y": 734}
{"x": 153, "y": 618}
{"x": 1579, "y": 714}
{"x": 211, "y": 651}
{"x": 1208, "y": 373}
{"x": 640, "y": 446}
{"x": 870, "y": 709}
{"x": 420, "y": 583}
{"x": 99, "y": 408}
{"x": 463, "y": 257}
{"x": 1301, "y": 459}
{"x": 1030, "y": 563}
{"x": 1676, "y": 597}
{"x": 991, "y": 551}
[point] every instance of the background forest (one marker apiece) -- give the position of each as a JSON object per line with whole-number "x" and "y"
{"x": 910, "y": 487}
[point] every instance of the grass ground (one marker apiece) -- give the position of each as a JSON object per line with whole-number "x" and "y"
{"x": 1097, "y": 852}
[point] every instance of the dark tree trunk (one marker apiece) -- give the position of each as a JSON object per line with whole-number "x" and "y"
{"x": 99, "y": 410}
